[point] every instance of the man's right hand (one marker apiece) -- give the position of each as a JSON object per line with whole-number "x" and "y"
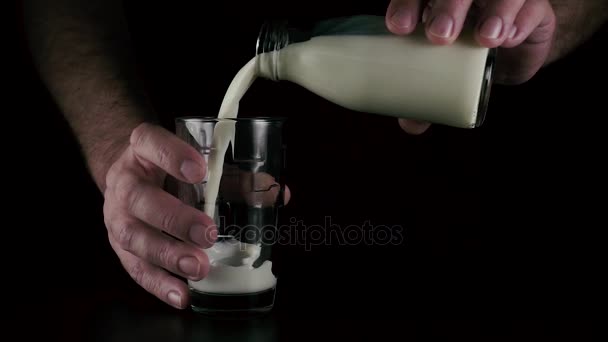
{"x": 153, "y": 233}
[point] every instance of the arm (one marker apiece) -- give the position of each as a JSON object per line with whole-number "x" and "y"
{"x": 81, "y": 50}
{"x": 577, "y": 21}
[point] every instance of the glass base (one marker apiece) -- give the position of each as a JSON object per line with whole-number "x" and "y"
{"x": 232, "y": 305}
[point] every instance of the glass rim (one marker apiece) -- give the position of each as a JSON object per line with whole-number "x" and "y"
{"x": 195, "y": 118}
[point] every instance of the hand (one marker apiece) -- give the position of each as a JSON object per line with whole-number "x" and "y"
{"x": 523, "y": 30}
{"x": 153, "y": 233}
{"x": 253, "y": 188}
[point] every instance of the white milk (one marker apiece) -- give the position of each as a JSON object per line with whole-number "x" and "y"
{"x": 233, "y": 272}
{"x": 379, "y": 74}
{"x": 387, "y": 75}
{"x": 224, "y": 131}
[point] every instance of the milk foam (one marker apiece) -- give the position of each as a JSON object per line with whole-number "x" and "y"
{"x": 232, "y": 270}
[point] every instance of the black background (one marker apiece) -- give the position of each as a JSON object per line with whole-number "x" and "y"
{"x": 502, "y": 224}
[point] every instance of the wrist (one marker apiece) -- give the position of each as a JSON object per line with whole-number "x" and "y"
{"x": 102, "y": 125}
{"x": 105, "y": 140}
{"x": 99, "y": 160}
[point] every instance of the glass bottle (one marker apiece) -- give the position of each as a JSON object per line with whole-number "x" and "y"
{"x": 355, "y": 62}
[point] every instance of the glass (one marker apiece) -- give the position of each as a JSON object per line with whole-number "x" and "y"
{"x": 242, "y": 191}
{"x": 357, "y": 63}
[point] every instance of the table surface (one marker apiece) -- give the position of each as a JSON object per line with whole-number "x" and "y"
{"x": 123, "y": 312}
{"x": 112, "y": 319}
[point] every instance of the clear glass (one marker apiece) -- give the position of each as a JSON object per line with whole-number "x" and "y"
{"x": 357, "y": 63}
{"x": 243, "y": 191}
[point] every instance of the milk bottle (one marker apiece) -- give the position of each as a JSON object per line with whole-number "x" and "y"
{"x": 357, "y": 63}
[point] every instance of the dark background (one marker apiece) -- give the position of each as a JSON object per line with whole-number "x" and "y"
{"x": 502, "y": 223}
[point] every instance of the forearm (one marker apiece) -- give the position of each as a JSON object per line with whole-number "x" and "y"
{"x": 577, "y": 21}
{"x": 81, "y": 49}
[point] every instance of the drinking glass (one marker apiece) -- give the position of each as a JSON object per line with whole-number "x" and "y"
{"x": 243, "y": 191}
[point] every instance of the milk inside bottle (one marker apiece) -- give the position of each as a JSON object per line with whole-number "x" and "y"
{"x": 357, "y": 63}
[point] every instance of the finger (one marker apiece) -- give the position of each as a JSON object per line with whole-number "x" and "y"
{"x": 155, "y": 145}
{"x": 159, "y": 249}
{"x": 444, "y": 19}
{"x": 402, "y": 16}
{"x": 159, "y": 209}
{"x": 153, "y": 279}
{"x": 495, "y": 22}
{"x": 519, "y": 64}
{"x": 253, "y": 188}
{"x": 529, "y": 18}
{"x": 414, "y": 127}
{"x": 260, "y": 189}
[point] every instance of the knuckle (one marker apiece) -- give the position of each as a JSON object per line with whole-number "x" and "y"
{"x": 107, "y": 215}
{"x": 169, "y": 219}
{"x": 114, "y": 245}
{"x": 126, "y": 188}
{"x": 111, "y": 176}
{"x": 140, "y": 134}
{"x": 167, "y": 255}
{"x": 124, "y": 234}
{"x": 140, "y": 274}
{"x": 550, "y": 25}
{"x": 164, "y": 156}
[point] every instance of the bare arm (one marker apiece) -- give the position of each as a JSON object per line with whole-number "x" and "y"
{"x": 577, "y": 21}
{"x": 81, "y": 49}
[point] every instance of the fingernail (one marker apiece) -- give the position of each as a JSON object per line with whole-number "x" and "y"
{"x": 191, "y": 171}
{"x": 491, "y": 28}
{"x": 442, "y": 26}
{"x": 402, "y": 18}
{"x": 189, "y": 265}
{"x": 513, "y": 32}
{"x": 197, "y": 235}
{"x": 175, "y": 299}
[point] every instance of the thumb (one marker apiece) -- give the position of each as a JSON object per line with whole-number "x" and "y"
{"x": 156, "y": 147}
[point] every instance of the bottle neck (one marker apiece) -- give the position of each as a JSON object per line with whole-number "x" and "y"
{"x": 273, "y": 37}
{"x": 267, "y": 65}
